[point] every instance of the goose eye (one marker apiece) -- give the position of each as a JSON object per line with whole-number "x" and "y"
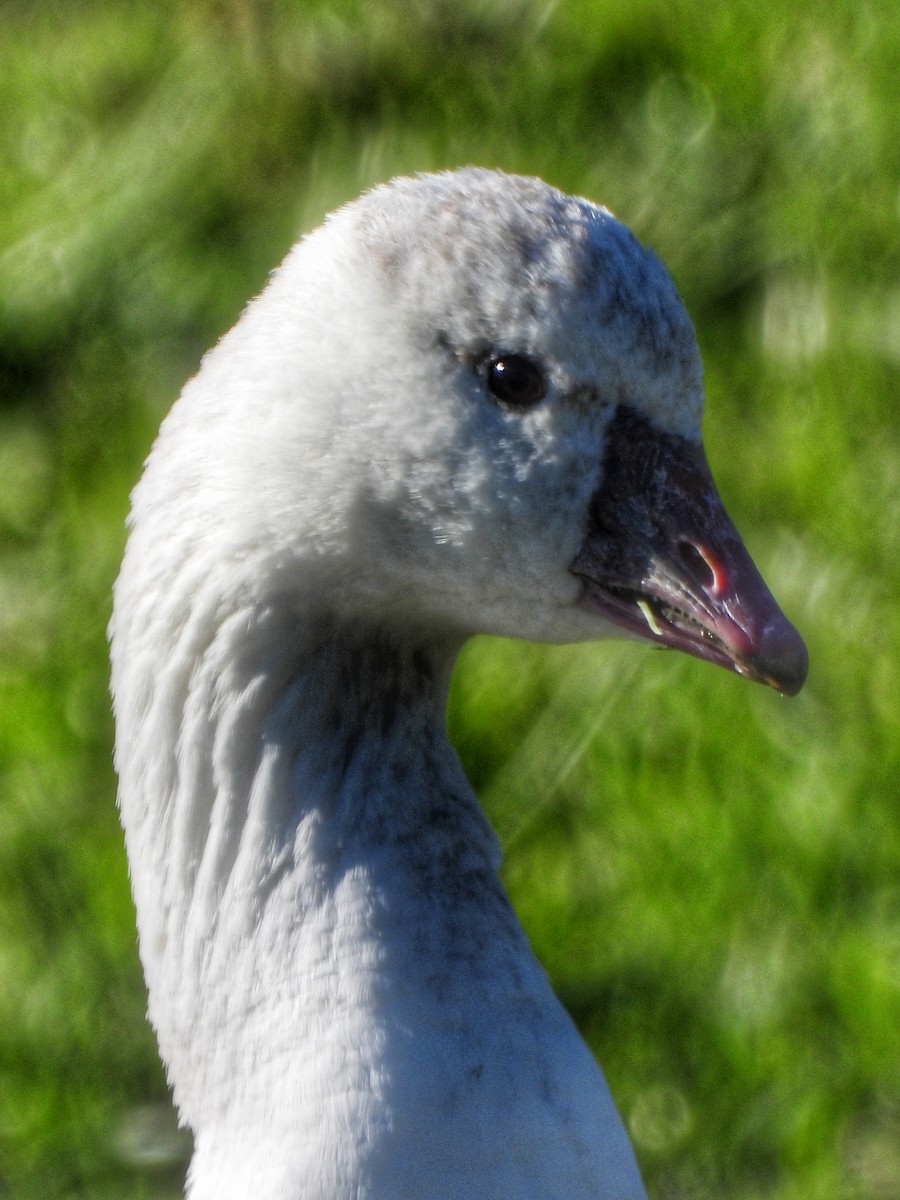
{"x": 516, "y": 381}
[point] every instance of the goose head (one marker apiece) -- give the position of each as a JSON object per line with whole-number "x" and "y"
{"x": 468, "y": 403}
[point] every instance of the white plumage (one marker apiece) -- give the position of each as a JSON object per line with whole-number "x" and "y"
{"x": 459, "y": 406}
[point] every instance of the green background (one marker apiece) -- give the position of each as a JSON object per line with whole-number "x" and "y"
{"x": 710, "y": 873}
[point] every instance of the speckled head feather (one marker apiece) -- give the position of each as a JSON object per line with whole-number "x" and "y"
{"x": 513, "y": 262}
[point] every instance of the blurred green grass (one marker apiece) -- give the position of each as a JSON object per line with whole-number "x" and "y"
{"x": 711, "y": 875}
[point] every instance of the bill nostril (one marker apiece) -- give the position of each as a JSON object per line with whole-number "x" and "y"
{"x": 699, "y": 567}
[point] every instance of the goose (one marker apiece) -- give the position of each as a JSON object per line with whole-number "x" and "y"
{"x": 467, "y": 403}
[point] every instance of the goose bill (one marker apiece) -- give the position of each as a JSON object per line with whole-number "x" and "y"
{"x": 661, "y": 559}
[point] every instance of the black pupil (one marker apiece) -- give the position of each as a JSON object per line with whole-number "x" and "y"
{"x": 516, "y": 380}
